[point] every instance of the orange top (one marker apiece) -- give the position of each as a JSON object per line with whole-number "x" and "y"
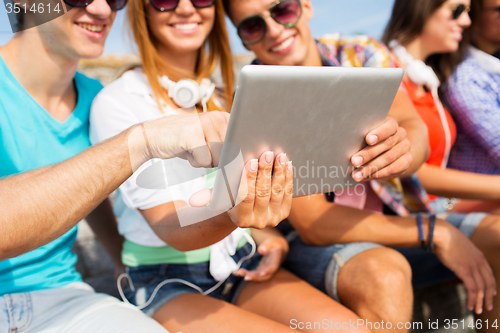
{"x": 429, "y": 113}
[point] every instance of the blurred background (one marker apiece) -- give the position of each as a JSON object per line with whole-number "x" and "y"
{"x": 349, "y": 17}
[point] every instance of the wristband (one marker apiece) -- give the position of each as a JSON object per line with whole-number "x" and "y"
{"x": 420, "y": 224}
{"x": 432, "y": 225}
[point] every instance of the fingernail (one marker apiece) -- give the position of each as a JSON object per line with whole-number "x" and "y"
{"x": 248, "y": 278}
{"x": 372, "y": 139}
{"x": 358, "y": 160}
{"x": 283, "y": 159}
{"x": 269, "y": 157}
{"x": 254, "y": 164}
{"x": 358, "y": 175}
{"x": 289, "y": 166}
{"x": 262, "y": 274}
{"x": 490, "y": 308}
{"x": 479, "y": 311}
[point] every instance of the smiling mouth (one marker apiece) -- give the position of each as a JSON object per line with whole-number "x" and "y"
{"x": 185, "y": 26}
{"x": 283, "y": 46}
{"x": 91, "y": 27}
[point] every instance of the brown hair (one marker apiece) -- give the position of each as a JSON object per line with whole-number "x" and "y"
{"x": 407, "y": 23}
{"x": 216, "y": 49}
{"x": 476, "y": 10}
{"x": 227, "y": 9}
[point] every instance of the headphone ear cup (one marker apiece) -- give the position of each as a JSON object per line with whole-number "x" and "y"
{"x": 185, "y": 93}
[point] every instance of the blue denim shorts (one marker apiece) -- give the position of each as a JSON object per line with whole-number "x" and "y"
{"x": 320, "y": 265}
{"x": 146, "y": 278}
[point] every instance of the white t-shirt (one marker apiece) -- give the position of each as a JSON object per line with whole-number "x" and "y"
{"x": 126, "y": 102}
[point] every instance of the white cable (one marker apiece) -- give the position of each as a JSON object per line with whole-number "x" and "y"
{"x": 187, "y": 283}
{"x": 446, "y": 128}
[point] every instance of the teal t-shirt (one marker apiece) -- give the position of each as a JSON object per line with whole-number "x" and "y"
{"x": 31, "y": 138}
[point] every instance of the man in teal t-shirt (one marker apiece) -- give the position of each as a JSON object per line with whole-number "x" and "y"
{"x": 44, "y": 115}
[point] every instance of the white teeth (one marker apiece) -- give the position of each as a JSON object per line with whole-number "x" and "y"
{"x": 90, "y": 27}
{"x": 284, "y": 45}
{"x": 187, "y": 26}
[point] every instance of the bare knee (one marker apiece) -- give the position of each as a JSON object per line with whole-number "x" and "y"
{"x": 375, "y": 272}
{"x": 487, "y": 238}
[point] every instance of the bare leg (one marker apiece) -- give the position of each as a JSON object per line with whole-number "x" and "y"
{"x": 376, "y": 285}
{"x": 487, "y": 239}
{"x": 469, "y": 206}
{"x": 195, "y": 313}
{"x": 290, "y": 301}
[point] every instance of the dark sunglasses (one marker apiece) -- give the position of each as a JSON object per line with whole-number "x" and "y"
{"x": 113, "y": 4}
{"x": 167, "y": 5}
{"x": 458, "y": 10}
{"x": 253, "y": 29}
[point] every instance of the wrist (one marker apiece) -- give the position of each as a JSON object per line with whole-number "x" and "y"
{"x": 442, "y": 233}
{"x": 138, "y": 148}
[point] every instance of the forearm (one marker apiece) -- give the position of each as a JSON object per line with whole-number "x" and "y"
{"x": 103, "y": 224}
{"x": 417, "y": 134}
{"x": 459, "y": 184}
{"x": 322, "y": 223}
{"x": 260, "y": 236}
{"x": 408, "y": 118}
{"x": 164, "y": 220}
{"x": 45, "y": 204}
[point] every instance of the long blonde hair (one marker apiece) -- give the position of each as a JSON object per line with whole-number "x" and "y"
{"x": 153, "y": 64}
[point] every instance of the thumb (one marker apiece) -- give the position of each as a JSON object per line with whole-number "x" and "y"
{"x": 200, "y": 198}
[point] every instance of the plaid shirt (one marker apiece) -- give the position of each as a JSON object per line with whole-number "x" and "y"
{"x": 473, "y": 96}
{"x": 403, "y": 196}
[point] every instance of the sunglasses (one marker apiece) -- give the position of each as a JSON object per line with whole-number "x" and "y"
{"x": 253, "y": 29}
{"x": 168, "y": 5}
{"x": 113, "y": 4}
{"x": 458, "y": 10}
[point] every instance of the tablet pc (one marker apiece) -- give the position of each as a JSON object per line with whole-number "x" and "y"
{"x": 318, "y": 116}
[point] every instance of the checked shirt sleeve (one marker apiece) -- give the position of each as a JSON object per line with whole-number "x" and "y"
{"x": 473, "y": 96}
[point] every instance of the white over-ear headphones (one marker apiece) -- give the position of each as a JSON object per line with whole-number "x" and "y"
{"x": 187, "y": 93}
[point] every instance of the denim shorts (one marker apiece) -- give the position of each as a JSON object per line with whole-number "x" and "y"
{"x": 320, "y": 265}
{"x": 74, "y": 308}
{"x": 147, "y": 278}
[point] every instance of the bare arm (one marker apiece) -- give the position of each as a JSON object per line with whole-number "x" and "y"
{"x": 260, "y": 208}
{"x": 459, "y": 184}
{"x": 397, "y": 147}
{"x": 406, "y": 114}
{"x": 165, "y": 223}
{"x": 42, "y": 205}
{"x": 321, "y": 223}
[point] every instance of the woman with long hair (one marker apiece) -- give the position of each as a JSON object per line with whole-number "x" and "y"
{"x": 425, "y": 37}
{"x": 205, "y": 276}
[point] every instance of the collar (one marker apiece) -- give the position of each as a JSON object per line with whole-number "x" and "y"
{"x": 486, "y": 61}
{"x": 328, "y": 57}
